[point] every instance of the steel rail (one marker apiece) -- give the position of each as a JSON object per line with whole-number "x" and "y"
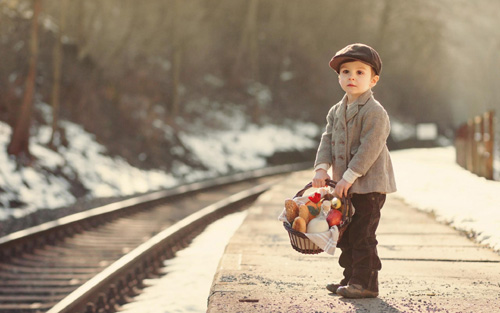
{"x": 27, "y": 240}
{"x": 45, "y": 263}
{"x": 110, "y": 287}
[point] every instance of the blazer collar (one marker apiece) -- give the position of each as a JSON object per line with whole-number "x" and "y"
{"x": 353, "y": 109}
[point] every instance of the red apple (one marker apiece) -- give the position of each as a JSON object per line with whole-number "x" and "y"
{"x": 334, "y": 217}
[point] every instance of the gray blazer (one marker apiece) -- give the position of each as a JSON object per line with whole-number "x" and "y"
{"x": 355, "y": 137}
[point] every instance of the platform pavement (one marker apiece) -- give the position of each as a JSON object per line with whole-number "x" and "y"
{"x": 427, "y": 266}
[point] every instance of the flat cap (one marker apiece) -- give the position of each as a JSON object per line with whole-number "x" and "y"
{"x": 357, "y": 52}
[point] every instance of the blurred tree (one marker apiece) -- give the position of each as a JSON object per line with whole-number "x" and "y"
{"x": 247, "y": 51}
{"x": 247, "y": 56}
{"x": 57, "y": 64}
{"x": 411, "y": 41}
{"x": 158, "y": 62}
{"x": 19, "y": 142}
{"x": 177, "y": 57}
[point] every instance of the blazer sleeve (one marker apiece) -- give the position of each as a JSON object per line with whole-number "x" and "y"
{"x": 374, "y": 133}
{"x": 324, "y": 152}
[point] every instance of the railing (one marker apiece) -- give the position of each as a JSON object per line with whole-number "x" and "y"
{"x": 475, "y": 145}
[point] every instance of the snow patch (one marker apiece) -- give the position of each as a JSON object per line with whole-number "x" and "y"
{"x": 430, "y": 180}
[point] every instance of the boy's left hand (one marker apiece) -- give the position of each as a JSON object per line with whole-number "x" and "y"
{"x": 342, "y": 188}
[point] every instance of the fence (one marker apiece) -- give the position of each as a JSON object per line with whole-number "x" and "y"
{"x": 475, "y": 146}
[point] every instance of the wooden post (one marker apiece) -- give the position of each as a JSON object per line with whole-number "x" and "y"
{"x": 469, "y": 147}
{"x": 481, "y": 152}
{"x": 488, "y": 140}
{"x": 475, "y": 145}
{"x": 461, "y": 145}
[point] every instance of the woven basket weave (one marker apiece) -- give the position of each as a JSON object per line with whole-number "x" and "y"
{"x": 300, "y": 242}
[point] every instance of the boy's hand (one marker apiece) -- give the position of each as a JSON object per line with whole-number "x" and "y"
{"x": 319, "y": 179}
{"x": 342, "y": 188}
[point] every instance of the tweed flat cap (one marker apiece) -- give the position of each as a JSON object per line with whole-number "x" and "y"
{"x": 357, "y": 52}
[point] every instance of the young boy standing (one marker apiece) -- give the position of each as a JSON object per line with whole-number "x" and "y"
{"x": 354, "y": 146}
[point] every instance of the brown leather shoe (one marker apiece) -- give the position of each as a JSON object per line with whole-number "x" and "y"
{"x": 355, "y": 291}
{"x": 333, "y": 287}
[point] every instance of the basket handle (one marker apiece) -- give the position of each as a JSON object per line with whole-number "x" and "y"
{"x": 328, "y": 182}
{"x": 346, "y": 212}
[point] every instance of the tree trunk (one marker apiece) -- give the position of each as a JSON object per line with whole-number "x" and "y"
{"x": 85, "y": 19}
{"x": 56, "y": 87}
{"x": 176, "y": 62}
{"x": 248, "y": 46}
{"x": 19, "y": 142}
{"x": 127, "y": 34}
{"x": 384, "y": 21}
{"x": 289, "y": 10}
{"x": 176, "y": 73}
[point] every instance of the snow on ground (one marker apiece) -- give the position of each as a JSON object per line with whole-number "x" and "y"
{"x": 243, "y": 149}
{"x": 38, "y": 187}
{"x": 191, "y": 272}
{"x": 239, "y": 149}
{"x": 430, "y": 180}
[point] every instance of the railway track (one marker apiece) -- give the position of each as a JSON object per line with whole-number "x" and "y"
{"x": 96, "y": 260}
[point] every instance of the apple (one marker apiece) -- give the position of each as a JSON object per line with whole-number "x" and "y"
{"x": 336, "y": 203}
{"x": 334, "y": 217}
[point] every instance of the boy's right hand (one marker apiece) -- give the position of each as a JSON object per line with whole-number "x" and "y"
{"x": 319, "y": 180}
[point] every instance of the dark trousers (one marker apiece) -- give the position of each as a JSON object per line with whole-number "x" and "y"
{"x": 358, "y": 244}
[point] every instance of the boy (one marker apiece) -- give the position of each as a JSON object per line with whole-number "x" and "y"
{"x": 354, "y": 146}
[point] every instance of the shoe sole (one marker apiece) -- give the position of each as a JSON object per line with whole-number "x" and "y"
{"x": 333, "y": 288}
{"x": 356, "y": 296}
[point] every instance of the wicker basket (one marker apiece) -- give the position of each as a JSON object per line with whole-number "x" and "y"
{"x": 300, "y": 242}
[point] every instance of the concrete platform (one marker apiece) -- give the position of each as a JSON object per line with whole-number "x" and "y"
{"x": 427, "y": 266}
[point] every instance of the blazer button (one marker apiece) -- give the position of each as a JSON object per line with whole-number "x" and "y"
{"x": 333, "y": 143}
{"x": 341, "y": 157}
{"x": 342, "y": 142}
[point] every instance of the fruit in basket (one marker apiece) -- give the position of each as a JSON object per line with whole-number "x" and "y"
{"x": 334, "y": 217}
{"x": 291, "y": 210}
{"x": 299, "y": 224}
{"x": 336, "y": 203}
{"x": 318, "y": 224}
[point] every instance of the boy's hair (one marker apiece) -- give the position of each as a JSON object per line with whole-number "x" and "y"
{"x": 357, "y": 52}
{"x": 373, "y": 71}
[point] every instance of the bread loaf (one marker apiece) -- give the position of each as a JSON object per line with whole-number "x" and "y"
{"x": 299, "y": 224}
{"x": 292, "y": 210}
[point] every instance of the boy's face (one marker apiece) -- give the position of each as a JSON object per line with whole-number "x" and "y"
{"x": 355, "y": 78}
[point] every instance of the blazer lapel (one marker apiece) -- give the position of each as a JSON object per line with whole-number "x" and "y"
{"x": 353, "y": 109}
{"x": 342, "y": 109}
{"x": 351, "y": 112}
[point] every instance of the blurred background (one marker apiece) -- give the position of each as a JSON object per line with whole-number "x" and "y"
{"x": 140, "y": 76}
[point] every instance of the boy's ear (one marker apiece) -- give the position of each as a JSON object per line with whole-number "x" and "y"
{"x": 374, "y": 80}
